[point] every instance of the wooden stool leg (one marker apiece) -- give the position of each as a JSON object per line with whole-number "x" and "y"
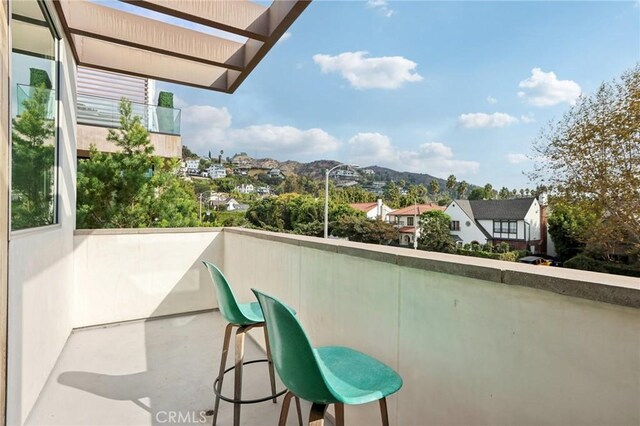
{"x": 272, "y": 374}
{"x": 284, "y": 412}
{"x": 339, "y": 414}
{"x": 237, "y": 392}
{"x": 299, "y": 411}
{"x": 383, "y": 412}
{"x": 316, "y": 416}
{"x": 223, "y": 363}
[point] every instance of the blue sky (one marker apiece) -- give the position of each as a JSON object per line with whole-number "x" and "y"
{"x": 431, "y": 87}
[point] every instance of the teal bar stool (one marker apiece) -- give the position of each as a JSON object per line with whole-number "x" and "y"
{"x": 244, "y": 316}
{"x": 324, "y": 375}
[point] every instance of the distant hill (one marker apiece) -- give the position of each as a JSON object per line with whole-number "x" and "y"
{"x": 383, "y": 173}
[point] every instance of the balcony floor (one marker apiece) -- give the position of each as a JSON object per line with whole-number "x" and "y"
{"x": 137, "y": 373}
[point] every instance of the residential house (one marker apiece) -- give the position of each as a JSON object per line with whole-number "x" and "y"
{"x": 347, "y": 174}
{"x": 226, "y": 204}
{"x": 406, "y": 219}
{"x": 263, "y": 190}
{"x": 245, "y": 188}
{"x": 518, "y": 222}
{"x": 216, "y": 171}
{"x": 275, "y": 173}
{"x": 374, "y": 210}
{"x": 192, "y": 166}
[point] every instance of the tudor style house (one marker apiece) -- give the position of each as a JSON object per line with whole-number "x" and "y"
{"x": 519, "y": 222}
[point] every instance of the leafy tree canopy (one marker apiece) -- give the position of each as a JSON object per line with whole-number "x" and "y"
{"x": 434, "y": 232}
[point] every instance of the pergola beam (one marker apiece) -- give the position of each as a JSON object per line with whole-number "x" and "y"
{"x": 113, "y": 40}
{"x": 112, "y": 25}
{"x": 240, "y": 17}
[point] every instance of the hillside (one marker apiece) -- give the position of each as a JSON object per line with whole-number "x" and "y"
{"x": 383, "y": 173}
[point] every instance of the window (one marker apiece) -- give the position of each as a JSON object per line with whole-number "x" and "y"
{"x": 34, "y": 77}
{"x": 409, "y": 221}
{"x": 505, "y": 228}
{"x": 455, "y": 225}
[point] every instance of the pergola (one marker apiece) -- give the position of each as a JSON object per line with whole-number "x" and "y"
{"x": 113, "y": 40}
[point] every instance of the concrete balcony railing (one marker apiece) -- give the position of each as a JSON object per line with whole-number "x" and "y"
{"x": 476, "y": 341}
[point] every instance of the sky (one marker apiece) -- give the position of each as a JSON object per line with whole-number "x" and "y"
{"x": 441, "y": 88}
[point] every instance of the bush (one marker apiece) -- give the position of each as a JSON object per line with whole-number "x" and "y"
{"x": 38, "y": 78}
{"x": 165, "y": 99}
{"x": 510, "y": 256}
{"x": 586, "y": 263}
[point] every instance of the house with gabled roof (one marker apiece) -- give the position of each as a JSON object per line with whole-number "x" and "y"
{"x": 374, "y": 209}
{"x": 406, "y": 220}
{"x": 518, "y": 222}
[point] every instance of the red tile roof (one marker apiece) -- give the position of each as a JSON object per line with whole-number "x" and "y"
{"x": 411, "y": 210}
{"x": 364, "y": 207}
{"x": 407, "y": 230}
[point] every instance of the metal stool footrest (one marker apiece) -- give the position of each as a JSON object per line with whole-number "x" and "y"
{"x": 244, "y": 401}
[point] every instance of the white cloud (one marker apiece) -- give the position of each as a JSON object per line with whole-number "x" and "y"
{"x": 517, "y": 158}
{"x": 387, "y": 72}
{"x": 491, "y": 100}
{"x": 544, "y": 89}
{"x": 527, "y": 119}
{"x": 382, "y": 7}
{"x": 434, "y": 158}
{"x": 206, "y": 127}
{"x": 286, "y": 36}
{"x": 479, "y": 119}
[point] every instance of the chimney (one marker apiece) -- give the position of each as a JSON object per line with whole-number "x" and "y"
{"x": 379, "y": 210}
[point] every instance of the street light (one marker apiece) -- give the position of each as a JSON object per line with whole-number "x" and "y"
{"x": 326, "y": 195}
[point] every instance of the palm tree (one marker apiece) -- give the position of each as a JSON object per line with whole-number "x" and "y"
{"x": 488, "y": 191}
{"x": 451, "y": 184}
{"x": 462, "y": 189}
{"x": 434, "y": 186}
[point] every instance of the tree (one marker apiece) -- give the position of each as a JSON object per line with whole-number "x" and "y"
{"x": 591, "y": 158}
{"x": 488, "y": 191}
{"x": 360, "y": 229}
{"x": 569, "y": 227}
{"x": 451, "y": 184}
{"x": 187, "y": 153}
{"x": 504, "y": 193}
{"x": 392, "y": 195}
{"x": 462, "y": 189}
{"x": 434, "y": 187}
{"x": 478, "y": 194}
{"x": 33, "y": 160}
{"x": 132, "y": 188}
{"x": 434, "y": 232}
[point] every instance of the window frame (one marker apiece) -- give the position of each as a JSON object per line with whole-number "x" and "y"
{"x": 56, "y": 35}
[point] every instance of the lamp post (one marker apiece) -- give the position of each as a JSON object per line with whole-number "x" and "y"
{"x": 326, "y": 195}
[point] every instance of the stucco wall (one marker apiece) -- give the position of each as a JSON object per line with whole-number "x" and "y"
{"x": 134, "y": 274}
{"x": 471, "y": 351}
{"x": 466, "y": 233}
{"x": 41, "y": 273}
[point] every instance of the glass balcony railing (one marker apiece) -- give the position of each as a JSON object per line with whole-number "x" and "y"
{"x": 43, "y": 98}
{"x": 105, "y": 112}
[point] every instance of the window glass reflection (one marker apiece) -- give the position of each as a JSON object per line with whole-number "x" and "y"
{"x": 34, "y": 113}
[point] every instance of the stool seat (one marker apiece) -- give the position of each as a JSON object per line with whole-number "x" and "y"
{"x": 251, "y": 312}
{"x": 354, "y": 377}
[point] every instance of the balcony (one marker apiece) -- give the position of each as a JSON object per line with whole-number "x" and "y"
{"x": 95, "y": 115}
{"x": 476, "y": 341}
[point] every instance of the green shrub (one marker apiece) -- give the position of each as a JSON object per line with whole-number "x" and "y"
{"x": 38, "y": 78}
{"x": 165, "y": 99}
{"x": 584, "y": 263}
{"x": 510, "y": 256}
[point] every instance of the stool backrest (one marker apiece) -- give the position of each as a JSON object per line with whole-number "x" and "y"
{"x": 293, "y": 356}
{"x": 226, "y": 300}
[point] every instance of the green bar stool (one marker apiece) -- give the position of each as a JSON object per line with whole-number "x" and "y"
{"x": 324, "y": 375}
{"x": 244, "y": 316}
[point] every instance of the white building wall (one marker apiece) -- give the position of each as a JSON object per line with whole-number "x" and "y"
{"x": 533, "y": 219}
{"x": 467, "y": 233}
{"x": 40, "y": 286}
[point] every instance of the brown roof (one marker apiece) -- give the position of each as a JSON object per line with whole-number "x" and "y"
{"x": 364, "y": 207}
{"x": 411, "y": 210}
{"x": 407, "y": 229}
